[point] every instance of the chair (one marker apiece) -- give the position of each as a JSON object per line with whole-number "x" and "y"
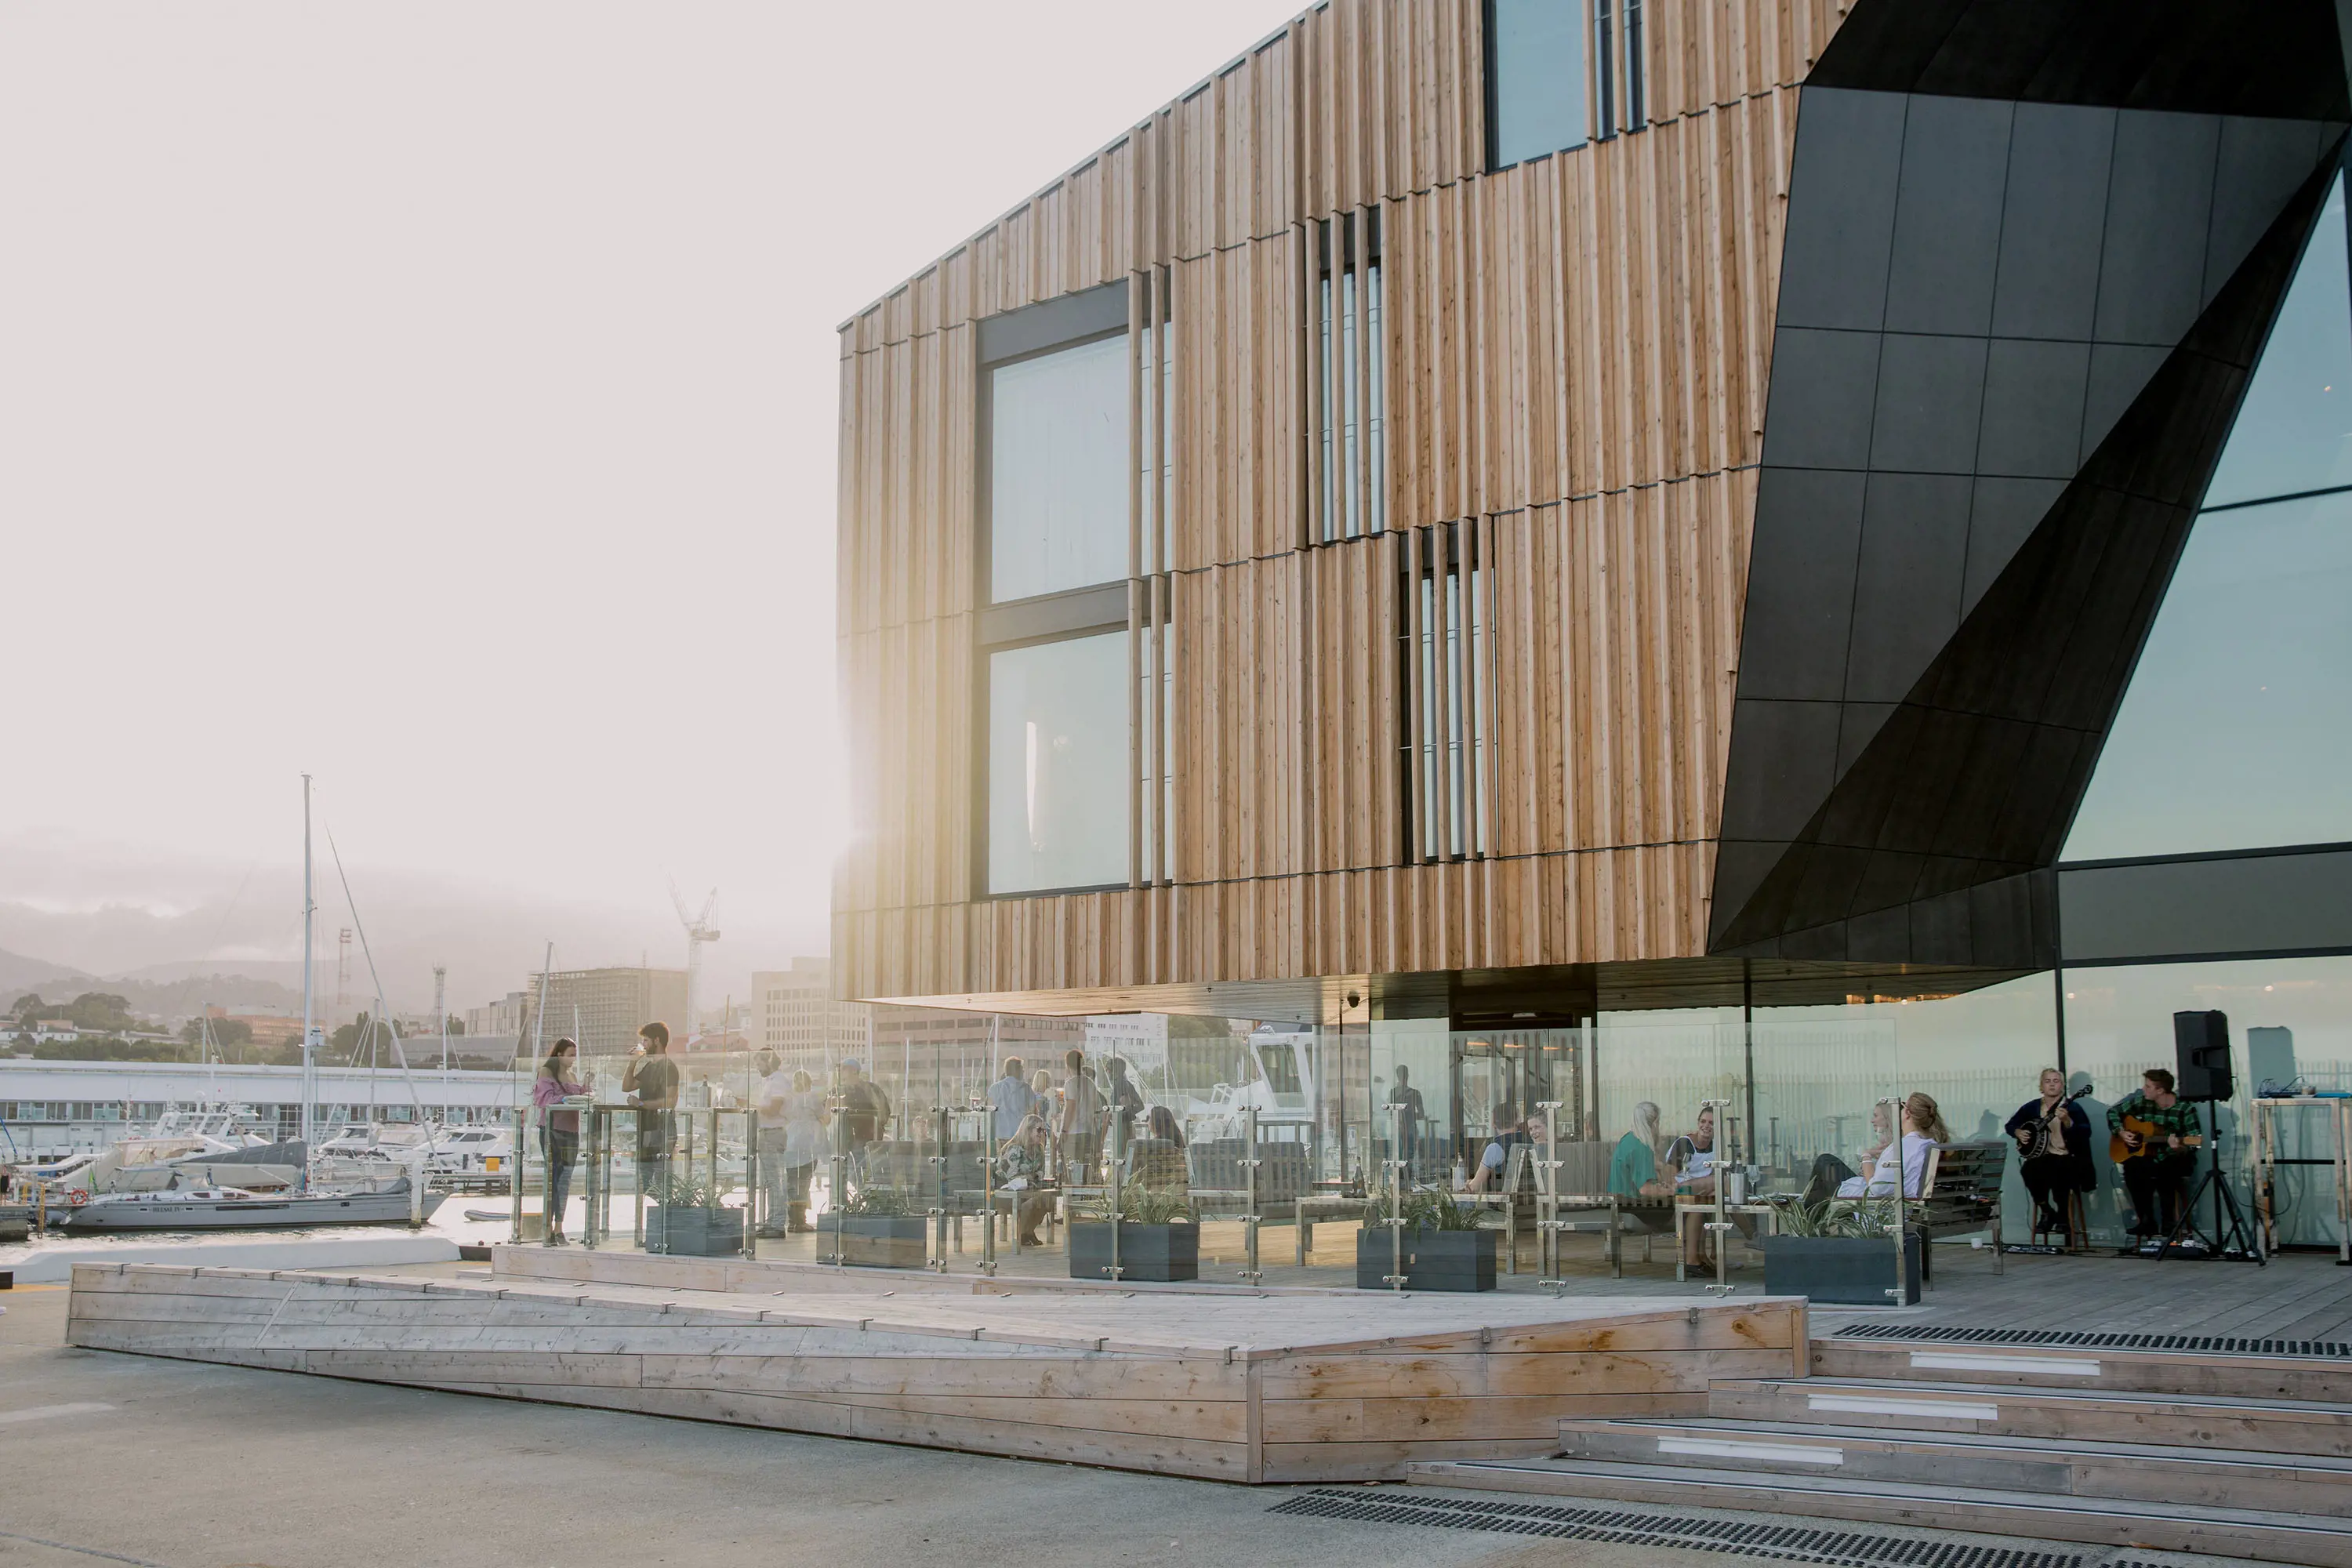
{"x": 1158, "y": 1165}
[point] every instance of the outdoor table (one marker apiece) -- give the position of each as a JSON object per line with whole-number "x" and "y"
{"x": 2267, "y": 1159}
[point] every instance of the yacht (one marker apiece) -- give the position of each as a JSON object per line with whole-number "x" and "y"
{"x": 237, "y": 1208}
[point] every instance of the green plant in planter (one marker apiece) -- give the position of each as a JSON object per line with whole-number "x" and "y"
{"x": 1146, "y": 1206}
{"x": 882, "y": 1203}
{"x": 1860, "y": 1219}
{"x": 1422, "y": 1210}
{"x": 683, "y": 1190}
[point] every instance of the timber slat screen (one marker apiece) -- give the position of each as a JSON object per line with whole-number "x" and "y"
{"x": 1566, "y": 358}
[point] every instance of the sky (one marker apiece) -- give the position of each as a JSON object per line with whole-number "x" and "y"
{"x": 440, "y": 399}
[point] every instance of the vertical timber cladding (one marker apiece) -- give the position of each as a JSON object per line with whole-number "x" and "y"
{"x": 1575, "y": 354}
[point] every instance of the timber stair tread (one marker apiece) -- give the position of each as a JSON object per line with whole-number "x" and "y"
{"x": 1958, "y": 1442}
{"x": 1927, "y": 1391}
{"x": 2038, "y": 1516}
{"x": 2123, "y": 1508}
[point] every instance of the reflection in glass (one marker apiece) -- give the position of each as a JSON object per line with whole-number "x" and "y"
{"x": 1058, "y": 470}
{"x": 2293, "y": 432}
{"x": 1535, "y": 55}
{"x": 1058, "y": 762}
{"x": 2236, "y": 730}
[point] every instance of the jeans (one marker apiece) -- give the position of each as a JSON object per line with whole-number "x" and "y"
{"x": 562, "y": 1149}
{"x": 775, "y": 1179}
{"x": 2158, "y": 1188}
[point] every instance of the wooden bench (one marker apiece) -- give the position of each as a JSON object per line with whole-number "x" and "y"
{"x": 1958, "y": 1196}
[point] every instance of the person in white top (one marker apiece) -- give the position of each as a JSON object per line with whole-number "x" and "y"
{"x": 1923, "y": 1128}
{"x": 770, "y": 1098}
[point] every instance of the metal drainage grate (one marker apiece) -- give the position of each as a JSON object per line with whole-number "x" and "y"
{"x": 2057, "y": 1339}
{"x": 1789, "y": 1542}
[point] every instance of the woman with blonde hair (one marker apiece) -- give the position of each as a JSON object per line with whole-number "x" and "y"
{"x": 1923, "y": 1128}
{"x": 1633, "y": 1168}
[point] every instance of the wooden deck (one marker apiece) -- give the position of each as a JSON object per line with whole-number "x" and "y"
{"x": 2295, "y": 1296}
{"x": 1243, "y": 1387}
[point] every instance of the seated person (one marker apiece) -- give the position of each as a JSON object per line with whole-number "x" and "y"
{"x": 1510, "y": 1132}
{"x": 1156, "y": 1159}
{"x": 1634, "y": 1169}
{"x": 1693, "y": 1158}
{"x": 1020, "y": 1165}
{"x": 1906, "y": 1162}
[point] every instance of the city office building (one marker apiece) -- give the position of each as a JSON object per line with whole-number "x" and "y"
{"x": 602, "y": 1009}
{"x": 503, "y": 1016}
{"x": 1775, "y": 554}
{"x": 793, "y": 1013}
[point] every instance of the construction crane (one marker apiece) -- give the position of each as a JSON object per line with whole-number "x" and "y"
{"x": 699, "y": 930}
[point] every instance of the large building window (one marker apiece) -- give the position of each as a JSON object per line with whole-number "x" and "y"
{"x": 2236, "y": 730}
{"x": 1058, "y": 471}
{"x": 1535, "y": 79}
{"x": 1057, "y": 764}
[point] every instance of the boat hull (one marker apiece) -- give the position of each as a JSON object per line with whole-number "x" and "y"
{"x": 248, "y": 1214}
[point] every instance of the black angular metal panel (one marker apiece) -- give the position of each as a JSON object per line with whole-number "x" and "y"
{"x": 2007, "y": 613}
{"x": 2278, "y": 59}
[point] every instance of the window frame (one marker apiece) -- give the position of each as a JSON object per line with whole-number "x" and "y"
{"x": 983, "y": 756}
{"x": 1066, "y": 615}
{"x": 984, "y": 519}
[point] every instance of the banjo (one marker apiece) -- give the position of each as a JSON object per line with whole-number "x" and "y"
{"x": 2037, "y": 1131}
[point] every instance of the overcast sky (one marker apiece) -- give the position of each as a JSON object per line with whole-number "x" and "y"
{"x": 440, "y": 398}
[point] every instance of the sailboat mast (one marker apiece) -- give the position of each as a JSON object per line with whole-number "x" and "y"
{"x": 309, "y": 907}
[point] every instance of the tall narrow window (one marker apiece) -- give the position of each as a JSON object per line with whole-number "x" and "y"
{"x": 1445, "y": 719}
{"x": 1155, "y": 712}
{"x": 1604, "y": 71}
{"x": 1352, "y": 371}
{"x": 1534, "y": 78}
{"x": 1636, "y": 94}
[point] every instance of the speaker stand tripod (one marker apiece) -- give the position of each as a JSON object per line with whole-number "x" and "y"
{"x": 2232, "y": 1240}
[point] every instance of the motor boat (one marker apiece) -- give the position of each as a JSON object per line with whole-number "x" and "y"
{"x": 471, "y": 1151}
{"x": 237, "y": 1208}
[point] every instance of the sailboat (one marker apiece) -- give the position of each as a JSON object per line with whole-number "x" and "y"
{"x": 392, "y": 1192}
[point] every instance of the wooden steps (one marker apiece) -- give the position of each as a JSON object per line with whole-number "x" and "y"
{"x": 2279, "y": 1426}
{"x": 2239, "y": 1456}
{"x": 2147, "y": 1472}
{"x": 2035, "y": 1516}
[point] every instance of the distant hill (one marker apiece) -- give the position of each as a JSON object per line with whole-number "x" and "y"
{"x": 19, "y": 972}
{"x": 179, "y": 998}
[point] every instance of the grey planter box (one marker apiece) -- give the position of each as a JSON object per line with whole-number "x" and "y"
{"x": 1852, "y": 1270}
{"x": 874, "y": 1240}
{"x": 1433, "y": 1260}
{"x": 1159, "y": 1253}
{"x": 694, "y": 1233}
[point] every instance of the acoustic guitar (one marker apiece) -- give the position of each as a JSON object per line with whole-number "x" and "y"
{"x": 2150, "y": 1137}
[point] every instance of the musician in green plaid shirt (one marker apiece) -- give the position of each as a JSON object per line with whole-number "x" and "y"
{"x": 2158, "y": 1179}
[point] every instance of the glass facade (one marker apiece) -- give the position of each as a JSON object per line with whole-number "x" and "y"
{"x": 1057, "y": 764}
{"x": 1536, "y": 77}
{"x": 2236, "y": 730}
{"x": 2289, "y": 1019}
{"x": 2293, "y": 432}
{"x": 1058, "y": 466}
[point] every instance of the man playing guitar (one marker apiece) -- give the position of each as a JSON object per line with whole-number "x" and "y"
{"x": 2156, "y": 1133}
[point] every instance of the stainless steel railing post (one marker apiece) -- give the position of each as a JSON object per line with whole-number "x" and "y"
{"x": 1250, "y": 1216}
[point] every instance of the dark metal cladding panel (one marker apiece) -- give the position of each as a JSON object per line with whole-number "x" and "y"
{"x": 1962, "y": 534}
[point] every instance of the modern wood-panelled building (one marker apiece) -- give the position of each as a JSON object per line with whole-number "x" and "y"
{"x": 1530, "y": 512}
